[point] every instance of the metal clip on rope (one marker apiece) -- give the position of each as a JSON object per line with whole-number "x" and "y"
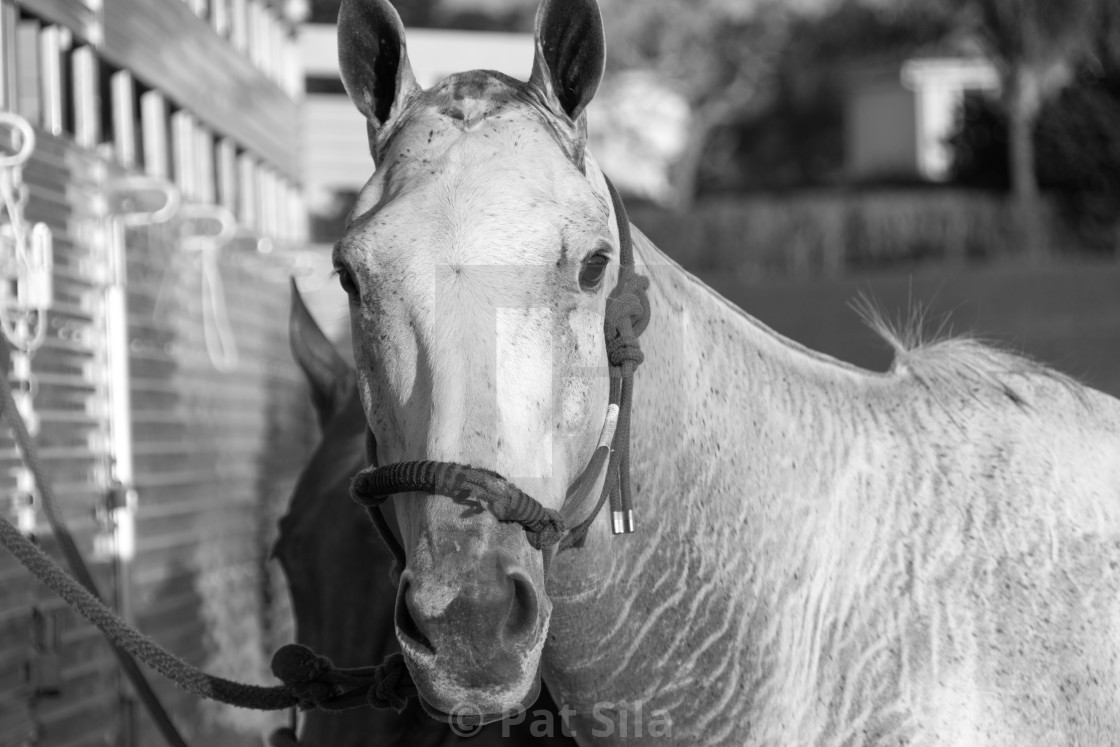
{"x": 26, "y": 250}
{"x": 26, "y": 294}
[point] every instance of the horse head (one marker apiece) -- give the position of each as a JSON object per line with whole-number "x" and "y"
{"x": 477, "y": 261}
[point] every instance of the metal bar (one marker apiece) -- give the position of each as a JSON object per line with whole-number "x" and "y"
{"x": 121, "y": 498}
{"x": 239, "y": 24}
{"x": 124, "y": 117}
{"x": 295, "y": 65}
{"x": 256, "y": 33}
{"x": 117, "y": 349}
{"x": 9, "y": 56}
{"x": 279, "y": 207}
{"x": 204, "y": 160}
{"x": 261, "y": 177}
{"x": 50, "y": 78}
{"x": 227, "y": 174}
{"x": 267, "y": 225}
{"x": 27, "y": 48}
{"x": 290, "y": 68}
{"x": 247, "y": 197}
{"x": 219, "y": 17}
{"x": 280, "y": 202}
{"x": 182, "y": 125}
{"x": 153, "y": 123}
{"x": 273, "y": 203}
{"x": 87, "y": 103}
{"x": 275, "y": 47}
{"x": 296, "y": 208}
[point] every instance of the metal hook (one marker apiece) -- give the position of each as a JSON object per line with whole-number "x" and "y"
{"x": 221, "y": 343}
{"x": 197, "y": 241}
{"x": 27, "y": 253}
{"x": 27, "y": 139}
{"x": 127, "y": 188}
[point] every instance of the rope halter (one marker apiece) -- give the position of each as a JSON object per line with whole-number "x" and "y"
{"x": 627, "y": 315}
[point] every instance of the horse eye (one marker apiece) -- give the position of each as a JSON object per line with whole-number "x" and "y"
{"x": 346, "y": 280}
{"x": 592, "y": 272}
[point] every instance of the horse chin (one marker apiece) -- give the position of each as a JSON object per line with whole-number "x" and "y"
{"x": 468, "y": 715}
{"x": 461, "y": 684}
{"x": 471, "y": 685}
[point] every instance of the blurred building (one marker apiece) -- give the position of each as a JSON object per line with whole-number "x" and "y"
{"x": 336, "y": 158}
{"x": 637, "y": 129}
{"x": 898, "y": 116}
{"x": 636, "y": 124}
{"x": 144, "y": 282}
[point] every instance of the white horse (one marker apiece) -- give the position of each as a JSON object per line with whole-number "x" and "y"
{"x": 823, "y": 556}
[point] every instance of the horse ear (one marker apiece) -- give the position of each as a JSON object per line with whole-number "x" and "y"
{"x": 570, "y": 54}
{"x": 327, "y": 373}
{"x": 373, "y": 60}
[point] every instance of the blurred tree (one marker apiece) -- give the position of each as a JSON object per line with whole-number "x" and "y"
{"x": 720, "y": 55}
{"x": 473, "y": 15}
{"x": 1036, "y": 44}
{"x": 412, "y": 12}
{"x": 1076, "y": 141}
{"x": 798, "y": 141}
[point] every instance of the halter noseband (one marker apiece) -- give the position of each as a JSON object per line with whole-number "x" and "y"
{"x": 626, "y": 317}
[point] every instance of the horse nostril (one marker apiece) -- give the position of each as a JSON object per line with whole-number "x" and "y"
{"x": 521, "y": 622}
{"x": 406, "y": 624}
{"x": 497, "y": 611}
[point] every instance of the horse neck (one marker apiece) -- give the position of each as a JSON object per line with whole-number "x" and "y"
{"x": 733, "y": 429}
{"x": 724, "y": 407}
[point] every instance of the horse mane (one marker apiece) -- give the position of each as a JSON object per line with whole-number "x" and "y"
{"x": 949, "y": 363}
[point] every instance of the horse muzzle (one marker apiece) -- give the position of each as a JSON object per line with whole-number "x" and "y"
{"x": 472, "y": 634}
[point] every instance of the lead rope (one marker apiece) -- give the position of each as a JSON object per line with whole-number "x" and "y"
{"x": 312, "y": 681}
{"x": 627, "y": 316}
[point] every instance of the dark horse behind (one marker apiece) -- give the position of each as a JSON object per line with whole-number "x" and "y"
{"x": 338, "y": 570}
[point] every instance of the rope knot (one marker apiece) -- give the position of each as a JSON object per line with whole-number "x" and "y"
{"x": 548, "y": 532}
{"x": 304, "y": 674}
{"x": 363, "y": 488}
{"x": 626, "y": 318}
{"x": 392, "y": 686}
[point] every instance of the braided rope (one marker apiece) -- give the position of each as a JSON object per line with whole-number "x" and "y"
{"x": 310, "y": 681}
{"x": 627, "y": 316}
{"x": 69, "y": 548}
{"x": 466, "y": 485}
